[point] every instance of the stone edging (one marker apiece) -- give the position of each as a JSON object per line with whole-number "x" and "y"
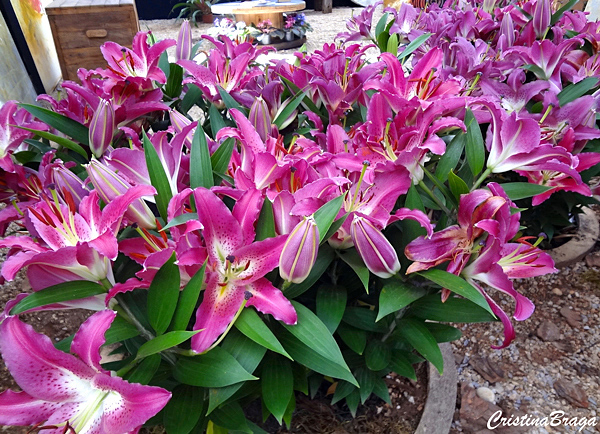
{"x": 581, "y": 244}
{"x": 441, "y": 396}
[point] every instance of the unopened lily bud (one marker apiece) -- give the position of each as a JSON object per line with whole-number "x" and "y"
{"x": 542, "y": 14}
{"x": 260, "y": 118}
{"x": 374, "y": 248}
{"x": 102, "y": 127}
{"x": 183, "y": 51}
{"x": 299, "y": 253}
{"x": 109, "y": 185}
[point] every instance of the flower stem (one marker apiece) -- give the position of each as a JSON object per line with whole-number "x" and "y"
{"x": 434, "y": 197}
{"x": 482, "y": 178}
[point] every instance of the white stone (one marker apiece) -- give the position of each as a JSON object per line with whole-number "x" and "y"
{"x": 486, "y": 394}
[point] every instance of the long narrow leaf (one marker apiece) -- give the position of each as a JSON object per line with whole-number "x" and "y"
{"x": 62, "y": 141}
{"x": 158, "y": 177}
{"x": 162, "y": 295}
{"x": 67, "y": 291}
{"x": 187, "y": 300}
{"x": 65, "y": 125}
{"x": 200, "y": 164}
{"x": 414, "y": 45}
{"x": 285, "y": 112}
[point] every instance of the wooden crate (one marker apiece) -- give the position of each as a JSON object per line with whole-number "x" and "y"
{"x": 80, "y": 27}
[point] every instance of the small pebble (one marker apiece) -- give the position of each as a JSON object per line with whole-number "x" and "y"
{"x": 486, "y": 394}
{"x": 557, "y": 291}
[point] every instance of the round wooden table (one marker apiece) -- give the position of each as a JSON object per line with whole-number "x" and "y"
{"x": 253, "y": 12}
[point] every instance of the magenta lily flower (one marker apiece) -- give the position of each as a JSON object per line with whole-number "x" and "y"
{"x": 236, "y": 267}
{"x": 62, "y": 391}
{"x": 139, "y": 64}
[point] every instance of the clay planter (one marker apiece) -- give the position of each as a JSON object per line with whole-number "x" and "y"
{"x": 441, "y": 396}
{"x": 208, "y": 18}
{"x": 588, "y": 232}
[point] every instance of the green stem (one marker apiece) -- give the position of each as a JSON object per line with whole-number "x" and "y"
{"x": 434, "y": 197}
{"x": 482, "y": 178}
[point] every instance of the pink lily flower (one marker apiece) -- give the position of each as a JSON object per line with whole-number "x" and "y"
{"x": 236, "y": 268}
{"x": 11, "y": 137}
{"x": 62, "y": 391}
{"x": 138, "y": 64}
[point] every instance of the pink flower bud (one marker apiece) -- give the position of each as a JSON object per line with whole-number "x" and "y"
{"x": 374, "y": 248}
{"x": 102, "y": 127}
{"x": 300, "y": 251}
{"x": 183, "y": 51}
{"x": 260, "y": 118}
{"x": 109, "y": 185}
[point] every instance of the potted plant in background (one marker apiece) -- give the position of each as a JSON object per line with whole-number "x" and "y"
{"x": 298, "y": 24}
{"x": 195, "y": 10}
{"x": 290, "y": 21}
{"x": 264, "y": 32}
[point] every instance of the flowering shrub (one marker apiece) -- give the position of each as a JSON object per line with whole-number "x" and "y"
{"x": 320, "y": 222}
{"x": 297, "y": 24}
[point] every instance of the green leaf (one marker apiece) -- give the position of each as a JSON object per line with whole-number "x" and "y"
{"x": 381, "y": 24}
{"x": 222, "y": 156}
{"x": 324, "y": 258}
{"x": 217, "y": 368}
{"x": 163, "y": 295}
{"x": 277, "y": 383}
{"x": 158, "y": 177}
{"x": 228, "y": 100}
{"x": 120, "y": 330}
{"x": 64, "y": 345}
{"x": 248, "y": 354}
{"x": 474, "y": 146}
{"x": 457, "y": 185}
{"x": 286, "y": 110}
{"x": 451, "y": 157}
{"x": 190, "y": 98}
{"x": 175, "y": 81}
{"x": 458, "y": 285}
{"x": 200, "y": 163}
{"x": 250, "y": 324}
{"x": 355, "y": 339}
{"x": 377, "y": 355}
{"x": 353, "y": 259}
{"x": 364, "y": 319}
{"x": 443, "y": 332}
{"x": 144, "y": 372}
{"x": 396, "y": 295}
{"x": 186, "y": 304}
{"x": 352, "y": 401}
{"x": 311, "y": 331}
{"x": 380, "y": 389}
{"x": 576, "y": 90}
{"x": 325, "y": 215}
{"x": 308, "y": 357}
{"x": 216, "y": 120}
{"x": 366, "y": 381}
{"x": 539, "y": 72}
{"x": 184, "y": 409}
{"x": 310, "y": 105}
{"x": 164, "y": 342}
{"x": 62, "y": 141}
{"x": 422, "y": 340}
{"x": 454, "y": 309}
{"x": 392, "y": 44}
{"x": 331, "y": 304}
{"x": 382, "y": 41}
{"x": 265, "y": 225}
{"x": 559, "y": 13}
{"x": 180, "y": 219}
{"x": 335, "y": 226}
{"x": 414, "y": 45}
{"x": 65, "y": 125}
{"x": 231, "y": 417}
{"x": 402, "y": 366}
{"x": 522, "y": 190}
{"x": 342, "y": 390}
{"x": 67, "y": 291}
